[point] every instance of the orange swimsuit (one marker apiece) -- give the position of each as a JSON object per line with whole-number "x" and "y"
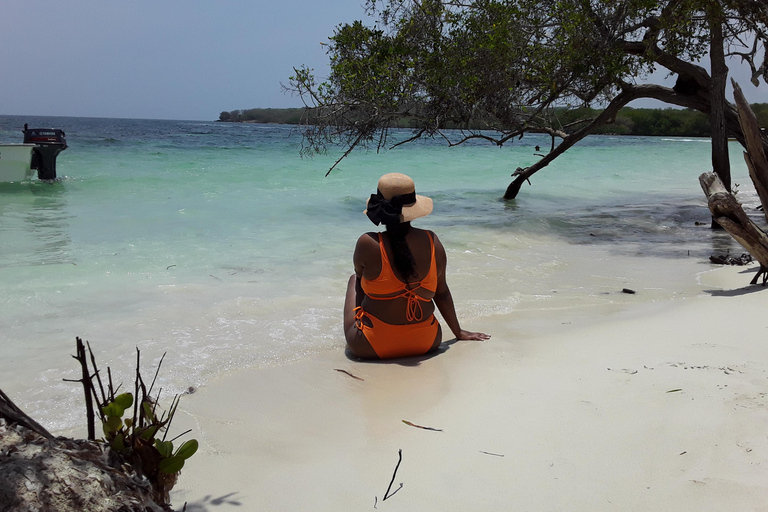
{"x": 390, "y": 340}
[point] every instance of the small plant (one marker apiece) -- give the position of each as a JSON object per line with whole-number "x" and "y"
{"x": 135, "y": 437}
{"x": 124, "y": 434}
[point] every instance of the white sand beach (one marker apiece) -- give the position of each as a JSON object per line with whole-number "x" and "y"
{"x": 661, "y": 407}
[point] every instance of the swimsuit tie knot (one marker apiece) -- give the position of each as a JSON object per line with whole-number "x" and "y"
{"x": 413, "y": 312}
{"x": 359, "y": 314}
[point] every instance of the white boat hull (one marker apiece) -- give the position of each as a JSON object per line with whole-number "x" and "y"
{"x": 15, "y": 161}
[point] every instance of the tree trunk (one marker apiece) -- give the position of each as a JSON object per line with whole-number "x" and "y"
{"x": 720, "y": 160}
{"x": 721, "y": 164}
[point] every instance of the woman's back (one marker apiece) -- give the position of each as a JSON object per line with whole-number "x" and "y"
{"x": 390, "y": 295}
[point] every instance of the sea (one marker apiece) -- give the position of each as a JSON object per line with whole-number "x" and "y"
{"x": 221, "y": 248}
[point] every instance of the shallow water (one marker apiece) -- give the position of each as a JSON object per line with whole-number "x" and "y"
{"x": 218, "y": 244}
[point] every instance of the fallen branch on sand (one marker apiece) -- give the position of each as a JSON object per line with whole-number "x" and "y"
{"x": 725, "y": 209}
{"x": 729, "y": 214}
{"x": 13, "y": 414}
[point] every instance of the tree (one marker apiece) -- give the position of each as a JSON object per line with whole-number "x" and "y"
{"x": 498, "y": 69}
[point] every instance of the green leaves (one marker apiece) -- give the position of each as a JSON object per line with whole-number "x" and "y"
{"x": 149, "y": 433}
{"x": 174, "y": 463}
{"x": 125, "y": 400}
{"x": 449, "y": 62}
{"x": 122, "y": 434}
{"x": 187, "y": 449}
{"x": 164, "y": 447}
{"x": 117, "y": 407}
{"x": 114, "y": 414}
{"x": 171, "y": 465}
{"x": 133, "y": 438}
{"x": 112, "y": 425}
{"x": 118, "y": 443}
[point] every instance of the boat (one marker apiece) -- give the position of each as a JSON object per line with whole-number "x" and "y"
{"x": 16, "y": 162}
{"x": 38, "y": 152}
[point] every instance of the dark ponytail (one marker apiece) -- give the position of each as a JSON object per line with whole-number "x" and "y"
{"x": 403, "y": 259}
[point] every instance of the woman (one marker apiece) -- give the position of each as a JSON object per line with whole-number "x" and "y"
{"x": 399, "y": 279}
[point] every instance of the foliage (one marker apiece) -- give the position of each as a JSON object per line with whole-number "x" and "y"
{"x": 124, "y": 435}
{"x": 761, "y": 112}
{"x": 504, "y": 66}
{"x": 136, "y": 437}
{"x": 264, "y": 115}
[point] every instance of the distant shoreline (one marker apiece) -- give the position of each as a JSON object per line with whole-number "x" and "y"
{"x": 666, "y": 122}
{"x": 252, "y": 121}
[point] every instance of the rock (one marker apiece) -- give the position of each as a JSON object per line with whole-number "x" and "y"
{"x": 66, "y": 475}
{"x": 744, "y": 259}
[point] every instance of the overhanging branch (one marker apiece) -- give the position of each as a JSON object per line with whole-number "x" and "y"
{"x": 628, "y": 94}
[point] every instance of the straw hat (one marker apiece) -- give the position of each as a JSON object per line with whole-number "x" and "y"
{"x": 395, "y": 189}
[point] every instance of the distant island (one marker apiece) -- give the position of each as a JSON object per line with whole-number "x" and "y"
{"x": 264, "y": 115}
{"x": 630, "y": 121}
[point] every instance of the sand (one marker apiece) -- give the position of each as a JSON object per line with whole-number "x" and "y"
{"x": 661, "y": 407}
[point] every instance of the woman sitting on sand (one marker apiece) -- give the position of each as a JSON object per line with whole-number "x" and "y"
{"x": 399, "y": 278}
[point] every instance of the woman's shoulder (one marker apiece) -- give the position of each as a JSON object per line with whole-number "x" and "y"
{"x": 367, "y": 243}
{"x": 369, "y": 237}
{"x": 432, "y": 234}
{"x": 426, "y": 231}
{"x": 439, "y": 249}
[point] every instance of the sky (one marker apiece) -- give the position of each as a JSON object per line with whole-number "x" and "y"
{"x": 170, "y": 59}
{"x": 160, "y": 59}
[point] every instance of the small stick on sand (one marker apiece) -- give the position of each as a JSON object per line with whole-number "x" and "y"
{"x": 345, "y": 371}
{"x": 419, "y": 426}
{"x": 399, "y": 460}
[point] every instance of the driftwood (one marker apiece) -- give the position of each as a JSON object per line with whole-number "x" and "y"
{"x": 725, "y": 209}
{"x": 13, "y": 414}
{"x": 729, "y": 214}
{"x": 757, "y": 163}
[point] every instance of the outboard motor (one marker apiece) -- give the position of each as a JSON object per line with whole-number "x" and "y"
{"x": 48, "y": 143}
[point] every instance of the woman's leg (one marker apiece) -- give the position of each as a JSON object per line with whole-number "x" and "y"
{"x": 356, "y": 340}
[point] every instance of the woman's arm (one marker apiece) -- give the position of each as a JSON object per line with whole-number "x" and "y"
{"x": 444, "y": 300}
{"x": 366, "y": 251}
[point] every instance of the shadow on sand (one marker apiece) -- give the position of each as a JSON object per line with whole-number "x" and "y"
{"x": 403, "y": 361}
{"x": 206, "y": 504}
{"x": 750, "y": 288}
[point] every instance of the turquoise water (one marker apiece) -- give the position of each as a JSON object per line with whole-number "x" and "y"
{"x": 218, "y": 244}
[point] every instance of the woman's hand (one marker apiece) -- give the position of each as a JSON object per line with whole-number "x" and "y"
{"x": 473, "y": 336}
